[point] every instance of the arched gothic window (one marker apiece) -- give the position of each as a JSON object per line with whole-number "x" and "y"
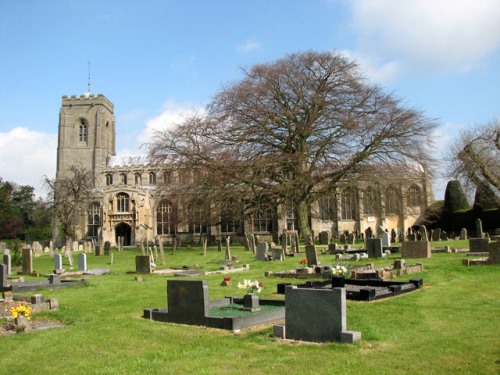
{"x": 83, "y": 134}
{"x": 122, "y": 202}
{"x": 413, "y": 196}
{"x": 371, "y": 201}
{"x": 165, "y": 218}
{"x": 392, "y": 201}
{"x": 349, "y": 204}
{"x": 93, "y": 220}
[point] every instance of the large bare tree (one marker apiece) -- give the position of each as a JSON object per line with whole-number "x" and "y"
{"x": 475, "y": 157}
{"x": 292, "y": 130}
{"x": 69, "y": 197}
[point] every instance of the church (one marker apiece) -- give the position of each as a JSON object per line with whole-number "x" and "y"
{"x": 131, "y": 197}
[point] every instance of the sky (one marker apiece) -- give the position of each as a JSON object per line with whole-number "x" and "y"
{"x": 159, "y": 60}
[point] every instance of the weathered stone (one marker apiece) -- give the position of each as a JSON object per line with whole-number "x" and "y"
{"x": 374, "y": 246}
{"x": 27, "y": 262}
{"x": 312, "y": 257}
{"x": 478, "y": 245}
{"x": 143, "y": 264}
{"x": 416, "y": 249}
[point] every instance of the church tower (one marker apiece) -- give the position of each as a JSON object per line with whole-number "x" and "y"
{"x": 86, "y": 134}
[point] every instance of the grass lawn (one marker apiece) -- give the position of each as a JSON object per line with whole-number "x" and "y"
{"x": 451, "y": 326}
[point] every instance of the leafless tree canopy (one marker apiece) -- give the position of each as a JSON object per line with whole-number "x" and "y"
{"x": 475, "y": 157}
{"x": 69, "y": 197}
{"x": 292, "y": 129}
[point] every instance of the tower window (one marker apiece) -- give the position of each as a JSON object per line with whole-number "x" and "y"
{"x": 109, "y": 179}
{"x": 123, "y": 178}
{"x": 138, "y": 179}
{"x": 93, "y": 220}
{"x": 152, "y": 178}
{"x": 83, "y": 134}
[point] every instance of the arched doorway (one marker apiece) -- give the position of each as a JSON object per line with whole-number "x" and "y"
{"x": 124, "y": 230}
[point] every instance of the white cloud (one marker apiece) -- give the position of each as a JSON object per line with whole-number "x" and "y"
{"x": 376, "y": 71}
{"x": 26, "y": 156}
{"x": 437, "y": 34}
{"x": 248, "y": 46}
{"x": 172, "y": 114}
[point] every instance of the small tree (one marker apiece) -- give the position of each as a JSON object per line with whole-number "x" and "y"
{"x": 475, "y": 157}
{"x": 455, "y": 198}
{"x": 69, "y": 197}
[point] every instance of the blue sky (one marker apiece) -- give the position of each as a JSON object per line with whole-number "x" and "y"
{"x": 159, "y": 60}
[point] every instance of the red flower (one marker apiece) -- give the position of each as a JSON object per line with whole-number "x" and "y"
{"x": 227, "y": 278}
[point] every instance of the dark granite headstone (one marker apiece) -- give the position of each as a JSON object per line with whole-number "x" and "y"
{"x": 187, "y": 301}
{"x": 374, "y": 247}
{"x": 143, "y": 264}
{"x": 107, "y": 248}
{"x": 324, "y": 237}
{"x": 317, "y": 315}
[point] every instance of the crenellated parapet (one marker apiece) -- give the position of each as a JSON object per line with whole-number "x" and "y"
{"x": 87, "y": 99}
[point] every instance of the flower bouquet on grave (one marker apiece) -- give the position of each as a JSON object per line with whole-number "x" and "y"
{"x": 251, "y": 287}
{"x": 227, "y": 281}
{"x": 21, "y": 314}
{"x": 339, "y": 270}
{"x": 303, "y": 262}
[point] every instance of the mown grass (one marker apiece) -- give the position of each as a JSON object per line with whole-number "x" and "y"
{"x": 450, "y": 326}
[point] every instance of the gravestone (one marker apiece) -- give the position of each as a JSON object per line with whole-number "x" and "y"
{"x": 187, "y": 301}
{"x": 332, "y": 248}
{"x": 82, "y": 262}
{"x": 204, "y": 242}
{"x": 436, "y": 234}
{"x": 324, "y": 238}
{"x": 463, "y": 234}
{"x": 311, "y": 255}
{"x": 143, "y": 264}
{"x": 394, "y": 236}
{"x": 27, "y": 262}
{"x": 494, "y": 253}
{"x": 374, "y": 247}
{"x": 228, "y": 248}
{"x": 261, "y": 253}
{"x": 416, "y": 249}
{"x": 479, "y": 245}
{"x": 368, "y": 233}
{"x": 3, "y": 276}
{"x": 278, "y": 254}
{"x": 351, "y": 238}
{"x": 107, "y": 248}
{"x": 479, "y": 229}
{"x": 317, "y": 315}
{"x": 8, "y": 263}
{"x": 284, "y": 242}
{"x": 423, "y": 233}
{"x": 57, "y": 262}
{"x": 342, "y": 239}
{"x": 162, "y": 251}
{"x": 296, "y": 243}
{"x": 386, "y": 239}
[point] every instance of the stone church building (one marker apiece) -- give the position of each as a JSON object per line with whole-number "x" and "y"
{"x": 128, "y": 202}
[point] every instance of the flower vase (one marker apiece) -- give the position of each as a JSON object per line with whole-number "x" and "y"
{"x": 251, "y": 302}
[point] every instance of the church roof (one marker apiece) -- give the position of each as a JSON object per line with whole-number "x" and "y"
{"x": 128, "y": 160}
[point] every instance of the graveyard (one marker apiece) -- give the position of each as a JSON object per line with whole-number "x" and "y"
{"x": 448, "y": 325}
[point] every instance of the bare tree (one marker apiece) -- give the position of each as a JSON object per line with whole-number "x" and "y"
{"x": 292, "y": 130}
{"x": 69, "y": 197}
{"x": 475, "y": 157}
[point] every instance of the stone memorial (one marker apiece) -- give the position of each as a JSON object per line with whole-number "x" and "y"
{"x": 261, "y": 253}
{"x": 374, "y": 247}
{"x": 143, "y": 264}
{"x": 58, "y": 263}
{"x": 324, "y": 238}
{"x": 82, "y": 262}
{"x": 311, "y": 256}
{"x": 463, "y": 234}
{"x": 386, "y": 239}
{"x": 8, "y": 263}
{"x": 317, "y": 315}
{"x": 27, "y": 262}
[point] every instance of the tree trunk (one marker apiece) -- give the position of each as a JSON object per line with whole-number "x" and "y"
{"x": 303, "y": 218}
